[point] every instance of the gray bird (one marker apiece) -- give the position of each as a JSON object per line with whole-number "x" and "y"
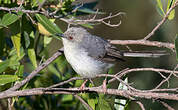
{"x": 90, "y": 55}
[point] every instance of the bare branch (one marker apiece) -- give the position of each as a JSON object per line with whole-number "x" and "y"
{"x": 83, "y": 102}
{"x": 166, "y": 105}
{"x": 75, "y": 21}
{"x": 141, "y": 105}
{"x": 143, "y": 42}
{"x": 162, "y": 21}
{"x": 125, "y": 93}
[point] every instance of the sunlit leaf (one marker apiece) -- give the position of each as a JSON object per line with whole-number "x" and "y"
{"x": 159, "y": 8}
{"x": 16, "y": 42}
{"x": 92, "y": 103}
{"x": 176, "y": 46}
{"x": 47, "y": 24}
{"x": 4, "y": 79}
{"x": 47, "y": 40}
{"x": 169, "y": 4}
{"x": 32, "y": 56}
{"x": 171, "y": 15}
{"x": 43, "y": 31}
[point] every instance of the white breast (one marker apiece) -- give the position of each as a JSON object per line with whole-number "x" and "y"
{"x": 83, "y": 64}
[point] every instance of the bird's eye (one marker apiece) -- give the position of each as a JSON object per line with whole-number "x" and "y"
{"x": 70, "y": 37}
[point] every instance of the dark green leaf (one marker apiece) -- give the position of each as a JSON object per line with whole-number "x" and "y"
{"x": 9, "y": 19}
{"x": 176, "y": 46}
{"x": 27, "y": 39}
{"x": 4, "y": 79}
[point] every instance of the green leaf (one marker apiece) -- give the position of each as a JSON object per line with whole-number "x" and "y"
{"x": 53, "y": 69}
{"x": 32, "y": 56}
{"x": 103, "y": 104}
{"x": 16, "y": 42}
{"x": 171, "y": 15}
{"x": 20, "y": 71}
{"x": 92, "y": 103}
{"x": 47, "y": 40}
{"x": 4, "y": 79}
{"x": 176, "y": 47}
{"x": 169, "y": 4}
{"x": 9, "y": 19}
{"x": 4, "y": 65}
{"x": 47, "y": 24}
{"x": 27, "y": 39}
{"x": 67, "y": 98}
{"x": 159, "y": 8}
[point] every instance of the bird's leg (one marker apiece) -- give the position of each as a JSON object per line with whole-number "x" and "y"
{"x": 83, "y": 85}
{"x": 105, "y": 85}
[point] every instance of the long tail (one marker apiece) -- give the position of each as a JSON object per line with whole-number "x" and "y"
{"x": 153, "y": 54}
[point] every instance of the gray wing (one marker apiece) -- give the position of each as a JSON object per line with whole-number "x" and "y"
{"x": 101, "y": 49}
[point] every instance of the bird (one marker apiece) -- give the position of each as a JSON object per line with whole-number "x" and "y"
{"x": 91, "y": 55}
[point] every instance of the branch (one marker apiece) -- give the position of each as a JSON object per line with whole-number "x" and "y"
{"x": 166, "y": 105}
{"x": 34, "y": 72}
{"x": 125, "y": 93}
{"x": 83, "y": 102}
{"x": 75, "y": 21}
{"x": 143, "y": 42}
{"x": 162, "y": 21}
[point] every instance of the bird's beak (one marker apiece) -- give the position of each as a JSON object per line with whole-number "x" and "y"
{"x": 60, "y": 35}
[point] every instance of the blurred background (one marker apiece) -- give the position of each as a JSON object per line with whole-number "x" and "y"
{"x": 140, "y": 18}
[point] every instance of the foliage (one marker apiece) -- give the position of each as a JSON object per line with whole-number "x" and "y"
{"x": 24, "y": 43}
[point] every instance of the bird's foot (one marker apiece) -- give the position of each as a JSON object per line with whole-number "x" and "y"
{"x": 104, "y": 86}
{"x": 83, "y": 85}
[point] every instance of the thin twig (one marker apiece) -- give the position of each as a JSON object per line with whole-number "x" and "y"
{"x": 83, "y": 102}
{"x": 166, "y": 105}
{"x": 141, "y": 105}
{"x": 75, "y": 21}
{"x": 162, "y": 21}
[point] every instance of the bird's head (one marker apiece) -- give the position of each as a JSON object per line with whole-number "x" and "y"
{"x": 74, "y": 35}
